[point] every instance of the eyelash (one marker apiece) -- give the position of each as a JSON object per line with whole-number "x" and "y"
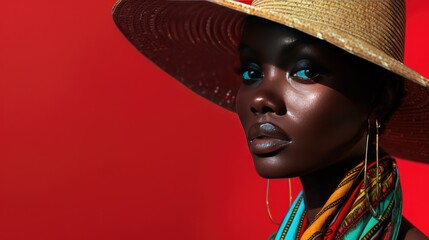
{"x": 251, "y": 69}
{"x": 304, "y": 73}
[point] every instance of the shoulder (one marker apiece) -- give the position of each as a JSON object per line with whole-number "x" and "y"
{"x": 408, "y": 231}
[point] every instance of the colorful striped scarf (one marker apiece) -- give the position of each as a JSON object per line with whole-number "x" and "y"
{"x": 346, "y": 214}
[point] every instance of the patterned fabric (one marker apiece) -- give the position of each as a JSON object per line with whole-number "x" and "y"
{"x": 346, "y": 214}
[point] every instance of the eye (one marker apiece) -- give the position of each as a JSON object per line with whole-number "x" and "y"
{"x": 306, "y": 74}
{"x": 252, "y": 73}
{"x": 307, "y": 71}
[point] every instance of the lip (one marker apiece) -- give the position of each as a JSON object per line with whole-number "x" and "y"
{"x": 267, "y": 138}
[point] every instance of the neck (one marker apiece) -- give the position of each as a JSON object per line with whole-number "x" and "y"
{"x": 319, "y": 186}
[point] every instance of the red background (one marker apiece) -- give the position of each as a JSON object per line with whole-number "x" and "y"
{"x": 97, "y": 143}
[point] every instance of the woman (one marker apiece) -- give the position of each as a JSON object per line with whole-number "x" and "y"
{"x": 314, "y": 84}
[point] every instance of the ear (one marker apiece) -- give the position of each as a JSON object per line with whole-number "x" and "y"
{"x": 386, "y": 94}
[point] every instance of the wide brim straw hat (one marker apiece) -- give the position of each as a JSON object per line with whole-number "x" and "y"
{"x": 196, "y": 42}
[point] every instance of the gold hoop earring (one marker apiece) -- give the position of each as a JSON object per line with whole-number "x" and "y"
{"x": 267, "y": 199}
{"x": 374, "y": 212}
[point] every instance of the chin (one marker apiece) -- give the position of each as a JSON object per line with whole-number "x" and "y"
{"x": 268, "y": 167}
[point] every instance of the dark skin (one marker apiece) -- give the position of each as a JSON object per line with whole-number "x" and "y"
{"x": 313, "y": 102}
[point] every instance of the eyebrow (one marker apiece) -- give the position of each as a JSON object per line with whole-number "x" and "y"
{"x": 284, "y": 49}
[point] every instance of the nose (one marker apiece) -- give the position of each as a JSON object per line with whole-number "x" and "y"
{"x": 263, "y": 105}
{"x": 269, "y": 96}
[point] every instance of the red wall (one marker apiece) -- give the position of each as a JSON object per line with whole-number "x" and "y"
{"x": 97, "y": 143}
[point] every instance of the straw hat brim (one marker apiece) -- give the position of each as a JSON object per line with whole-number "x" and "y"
{"x": 196, "y": 42}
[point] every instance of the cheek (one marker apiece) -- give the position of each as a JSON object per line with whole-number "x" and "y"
{"x": 240, "y": 106}
{"x": 324, "y": 118}
{"x": 243, "y": 104}
{"x": 301, "y": 105}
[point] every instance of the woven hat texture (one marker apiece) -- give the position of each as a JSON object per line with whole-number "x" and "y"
{"x": 196, "y": 42}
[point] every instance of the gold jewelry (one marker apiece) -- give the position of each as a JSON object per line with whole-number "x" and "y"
{"x": 267, "y": 201}
{"x": 375, "y": 212}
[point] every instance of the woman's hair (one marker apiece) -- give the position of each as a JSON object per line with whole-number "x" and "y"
{"x": 387, "y": 79}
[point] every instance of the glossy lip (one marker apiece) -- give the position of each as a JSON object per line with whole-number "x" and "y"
{"x": 267, "y": 139}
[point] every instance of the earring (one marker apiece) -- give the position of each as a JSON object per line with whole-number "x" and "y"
{"x": 267, "y": 199}
{"x": 375, "y": 212}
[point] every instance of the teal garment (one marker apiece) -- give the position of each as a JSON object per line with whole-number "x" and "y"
{"x": 390, "y": 208}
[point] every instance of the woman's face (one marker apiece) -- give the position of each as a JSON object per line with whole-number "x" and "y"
{"x": 303, "y": 103}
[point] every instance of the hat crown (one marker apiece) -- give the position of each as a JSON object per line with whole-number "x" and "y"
{"x": 380, "y": 23}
